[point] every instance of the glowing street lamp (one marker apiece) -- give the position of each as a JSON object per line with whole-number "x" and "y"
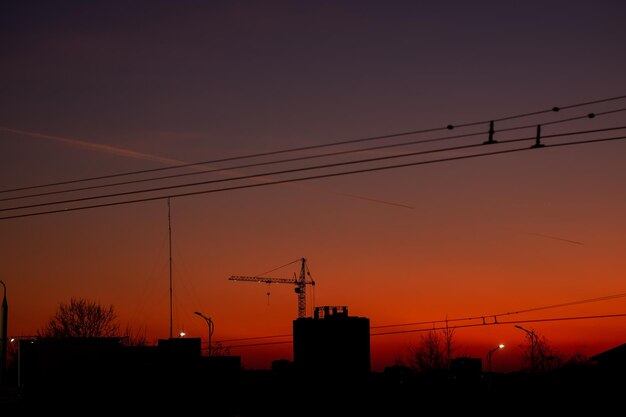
{"x": 209, "y": 322}
{"x": 490, "y": 354}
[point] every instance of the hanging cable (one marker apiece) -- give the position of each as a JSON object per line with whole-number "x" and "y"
{"x": 293, "y": 170}
{"x": 291, "y": 180}
{"x": 311, "y": 147}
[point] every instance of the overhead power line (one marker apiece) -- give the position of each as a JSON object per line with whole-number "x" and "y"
{"x": 508, "y": 313}
{"x": 470, "y": 318}
{"x": 602, "y": 316}
{"x": 317, "y": 156}
{"x": 395, "y": 332}
{"x": 291, "y": 180}
{"x": 312, "y": 147}
{"x": 301, "y": 169}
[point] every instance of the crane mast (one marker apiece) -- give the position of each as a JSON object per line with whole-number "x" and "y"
{"x": 300, "y": 282}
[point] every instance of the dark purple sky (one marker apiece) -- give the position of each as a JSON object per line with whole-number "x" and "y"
{"x": 102, "y": 87}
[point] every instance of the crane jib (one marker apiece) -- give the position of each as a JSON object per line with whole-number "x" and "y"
{"x": 300, "y": 283}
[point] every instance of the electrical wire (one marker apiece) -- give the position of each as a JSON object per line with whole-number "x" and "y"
{"x": 253, "y": 338}
{"x": 250, "y": 176}
{"x": 230, "y": 168}
{"x": 311, "y": 147}
{"x": 432, "y": 322}
{"x": 292, "y": 170}
{"x": 291, "y": 180}
{"x": 508, "y": 313}
{"x": 317, "y": 156}
{"x": 602, "y": 316}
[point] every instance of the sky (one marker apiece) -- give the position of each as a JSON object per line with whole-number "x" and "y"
{"x": 532, "y": 238}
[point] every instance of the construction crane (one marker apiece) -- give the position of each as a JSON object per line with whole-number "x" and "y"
{"x": 300, "y": 282}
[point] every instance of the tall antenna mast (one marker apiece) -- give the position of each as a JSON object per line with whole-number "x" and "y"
{"x": 169, "y": 224}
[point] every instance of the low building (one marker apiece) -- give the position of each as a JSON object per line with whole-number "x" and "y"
{"x": 613, "y": 359}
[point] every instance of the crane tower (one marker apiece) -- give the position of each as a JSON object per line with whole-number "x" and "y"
{"x": 300, "y": 282}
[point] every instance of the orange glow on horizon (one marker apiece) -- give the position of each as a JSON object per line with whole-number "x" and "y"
{"x": 394, "y": 150}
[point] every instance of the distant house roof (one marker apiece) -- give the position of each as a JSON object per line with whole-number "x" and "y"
{"x": 612, "y": 357}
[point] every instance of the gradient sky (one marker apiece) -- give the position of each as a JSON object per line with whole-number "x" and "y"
{"x": 98, "y": 88}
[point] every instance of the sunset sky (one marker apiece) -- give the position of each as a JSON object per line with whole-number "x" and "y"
{"x": 101, "y": 88}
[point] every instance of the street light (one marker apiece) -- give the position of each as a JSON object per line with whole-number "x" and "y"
{"x": 530, "y": 333}
{"x": 490, "y": 354}
{"x": 209, "y": 322}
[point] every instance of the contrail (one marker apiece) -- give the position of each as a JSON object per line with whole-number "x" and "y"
{"x": 128, "y": 153}
{"x": 556, "y": 238}
{"x": 95, "y": 147}
{"x": 359, "y": 197}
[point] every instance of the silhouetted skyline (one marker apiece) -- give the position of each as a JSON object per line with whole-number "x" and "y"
{"x": 103, "y": 89}
{"x": 84, "y": 372}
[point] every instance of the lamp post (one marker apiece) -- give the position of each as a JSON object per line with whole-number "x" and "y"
{"x": 490, "y": 354}
{"x": 209, "y": 323}
{"x": 531, "y": 334}
{"x": 3, "y": 335}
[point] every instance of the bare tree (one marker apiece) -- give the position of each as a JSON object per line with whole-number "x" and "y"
{"x": 448, "y": 337}
{"x": 434, "y": 351}
{"x": 549, "y": 357}
{"x": 218, "y": 349}
{"x": 576, "y": 360}
{"x": 538, "y": 355}
{"x": 132, "y": 338}
{"x": 81, "y": 318}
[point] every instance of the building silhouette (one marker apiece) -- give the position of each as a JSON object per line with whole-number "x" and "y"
{"x": 330, "y": 375}
{"x": 613, "y": 360}
{"x": 332, "y": 343}
{"x": 75, "y": 371}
